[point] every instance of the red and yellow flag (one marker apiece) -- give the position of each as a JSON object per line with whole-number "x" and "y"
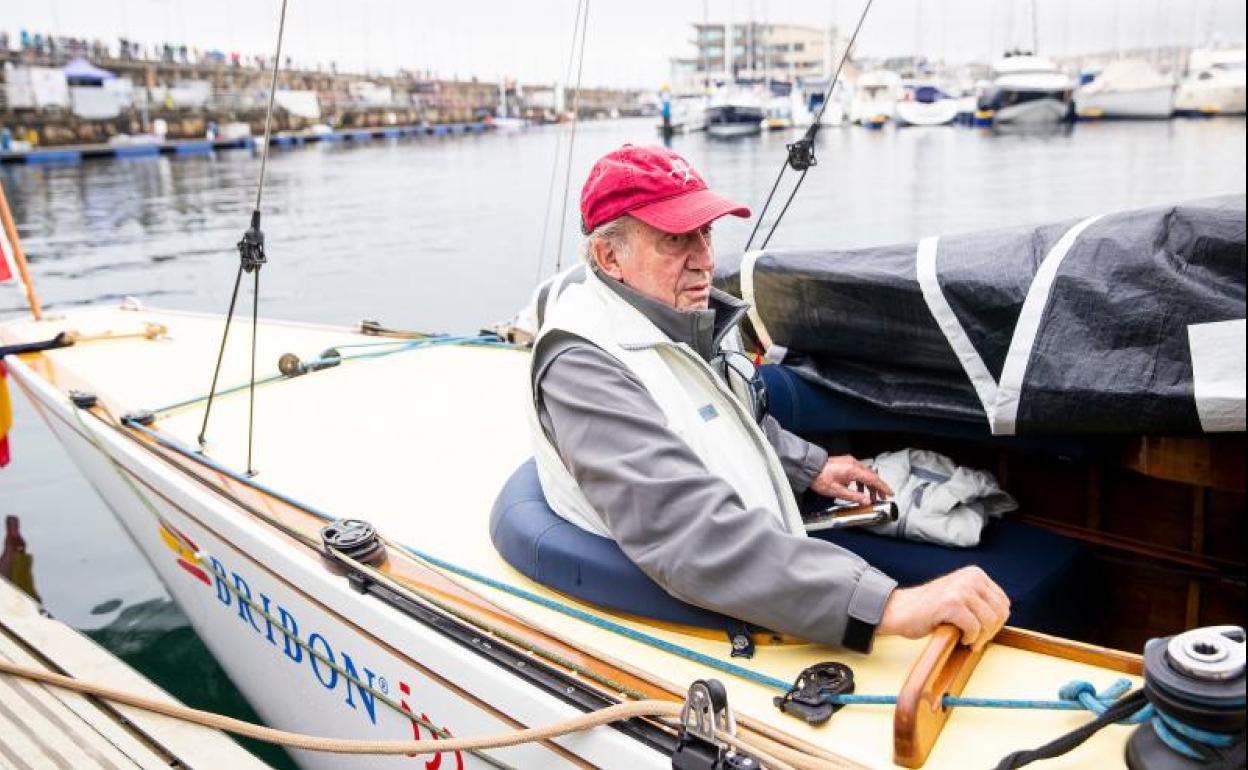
{"x": 6, "y": 418}
{"x": 8, "y": 270}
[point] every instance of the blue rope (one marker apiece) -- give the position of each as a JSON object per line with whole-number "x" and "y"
{"x": 394, "y": 346}
{"x": 1075, "y": 696}
{"x": 603, "y": 623}
{"x": 1176, "y": 734}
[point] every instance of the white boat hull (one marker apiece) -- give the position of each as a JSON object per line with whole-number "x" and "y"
{"x": 448, "y": 685}
{"x": 1155, "y": 102}
{"x": 936, "y": 113}
{"x": 1034, "y": 112}
{"x": 862, "y": 110}
{"x": 1224, "y": 98}
{"x": 733, "y": 130}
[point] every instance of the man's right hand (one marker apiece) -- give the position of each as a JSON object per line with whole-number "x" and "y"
{"x": 966, "y": 598}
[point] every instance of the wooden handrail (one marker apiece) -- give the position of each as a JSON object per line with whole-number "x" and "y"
{"x": 943, "y": 668}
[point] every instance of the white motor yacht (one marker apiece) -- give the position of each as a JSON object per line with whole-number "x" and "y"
{"x": 1028, "y": 89}
{"x": 734, "y": 112}
{"x": 875, "y": 95}
{"x": 1130, "y": 88}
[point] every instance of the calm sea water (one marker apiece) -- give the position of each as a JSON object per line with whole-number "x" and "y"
{"x": 451, "y": 233}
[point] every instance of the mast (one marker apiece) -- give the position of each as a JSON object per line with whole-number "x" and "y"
{"x": 19, "y": 257}
{"x": 1035, "y": 36}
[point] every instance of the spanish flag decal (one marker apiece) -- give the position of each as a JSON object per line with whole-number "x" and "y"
{"x": 184, "y": 548}
{"x": 6, "y": 418}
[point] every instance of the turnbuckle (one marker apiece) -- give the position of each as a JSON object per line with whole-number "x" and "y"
{"x": 251, "y": 247}
{"x": 802, "y": 152}
{"x": 703, "y": 718}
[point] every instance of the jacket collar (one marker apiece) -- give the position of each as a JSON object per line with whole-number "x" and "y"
{"x": 702, "y": 330}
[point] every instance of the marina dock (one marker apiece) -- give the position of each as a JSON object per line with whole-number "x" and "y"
{"x": 45, "y": 727}
{"x": 78, "y": 153}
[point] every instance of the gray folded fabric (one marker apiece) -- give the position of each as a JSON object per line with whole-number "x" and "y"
{"x": 937, "y": 500}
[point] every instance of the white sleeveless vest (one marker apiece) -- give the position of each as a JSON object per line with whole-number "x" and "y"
{"x": 697, "y": 405}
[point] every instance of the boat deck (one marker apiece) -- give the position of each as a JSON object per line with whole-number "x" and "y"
{"x": 45, "y": 727}
{"x": 419, "y": 443}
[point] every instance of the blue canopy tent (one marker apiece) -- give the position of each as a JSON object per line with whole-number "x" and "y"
{"x": 80, "y": 72}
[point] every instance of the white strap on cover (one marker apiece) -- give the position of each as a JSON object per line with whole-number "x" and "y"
{"x": 1218, "y": 374}
{"x": 1005, "y": 415}
{"x": 772, "y": 352}
{"x": 1000, "y": 399}
{"x": 982, "y": 380}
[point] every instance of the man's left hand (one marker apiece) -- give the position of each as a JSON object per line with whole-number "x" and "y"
{"x": 840, "y": 473}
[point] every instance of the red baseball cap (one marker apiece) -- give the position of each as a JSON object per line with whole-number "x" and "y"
{"x": 655, "y": 185}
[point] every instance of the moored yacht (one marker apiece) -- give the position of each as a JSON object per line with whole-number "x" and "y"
{"x": 734, "y": 112}
{"x": 1130, "y": 88}
{"x": 1028, "y": 89}
{"x": 875, "y": 96}
{"x": 1214, "y": 85}
{"x": 926, "y": 105}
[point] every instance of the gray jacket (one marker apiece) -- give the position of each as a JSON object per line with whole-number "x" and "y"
{"x": 650, "y": 485}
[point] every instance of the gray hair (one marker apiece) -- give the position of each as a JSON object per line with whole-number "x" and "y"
{"x": 617, "y": 232}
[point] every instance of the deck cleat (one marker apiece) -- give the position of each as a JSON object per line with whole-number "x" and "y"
{"x": 82, "y": 399}
{"x": 809, "y": 697}
{"x": 705, "y": 716}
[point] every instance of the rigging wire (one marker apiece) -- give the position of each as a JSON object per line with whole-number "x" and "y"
{"x": 576, "y": 104}
{"x": 554, "y": 166}
{"x": 801, "y": 154}
{"x": 251, "y": 258}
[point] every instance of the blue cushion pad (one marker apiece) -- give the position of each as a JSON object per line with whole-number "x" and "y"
{"x": 1039, "y": 570}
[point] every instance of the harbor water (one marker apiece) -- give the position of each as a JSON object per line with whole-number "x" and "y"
{"x": 452, "y": 233}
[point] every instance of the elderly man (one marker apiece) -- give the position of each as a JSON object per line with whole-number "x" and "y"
{"x": 647, "y": 429}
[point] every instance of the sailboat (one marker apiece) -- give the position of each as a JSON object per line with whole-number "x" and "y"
{"x": 383, "y": 573}
{"x": 350, "y": 519}
{"x": 1129, "y": 88}
{"x": 504, "y": 120}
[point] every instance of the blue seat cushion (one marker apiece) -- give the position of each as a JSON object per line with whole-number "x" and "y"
{"x": 539, "y": 543}
{"x": 1045, "y": 574}
{"x": 1041, "y": 572}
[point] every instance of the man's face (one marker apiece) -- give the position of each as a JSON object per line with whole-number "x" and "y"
{"x": 673, "y": 268}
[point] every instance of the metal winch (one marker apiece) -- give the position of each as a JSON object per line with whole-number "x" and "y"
{"x": 1195, "y": 683}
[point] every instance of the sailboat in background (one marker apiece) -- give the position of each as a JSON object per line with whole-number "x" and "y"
{"x": 1129, "y": 88}
{"x": 503, "y": 120}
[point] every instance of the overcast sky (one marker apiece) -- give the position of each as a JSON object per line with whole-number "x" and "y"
{"x": 630, "y": 41}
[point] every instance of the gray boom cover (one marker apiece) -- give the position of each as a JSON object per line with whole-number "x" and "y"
{"x": 1130, "y": 323}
